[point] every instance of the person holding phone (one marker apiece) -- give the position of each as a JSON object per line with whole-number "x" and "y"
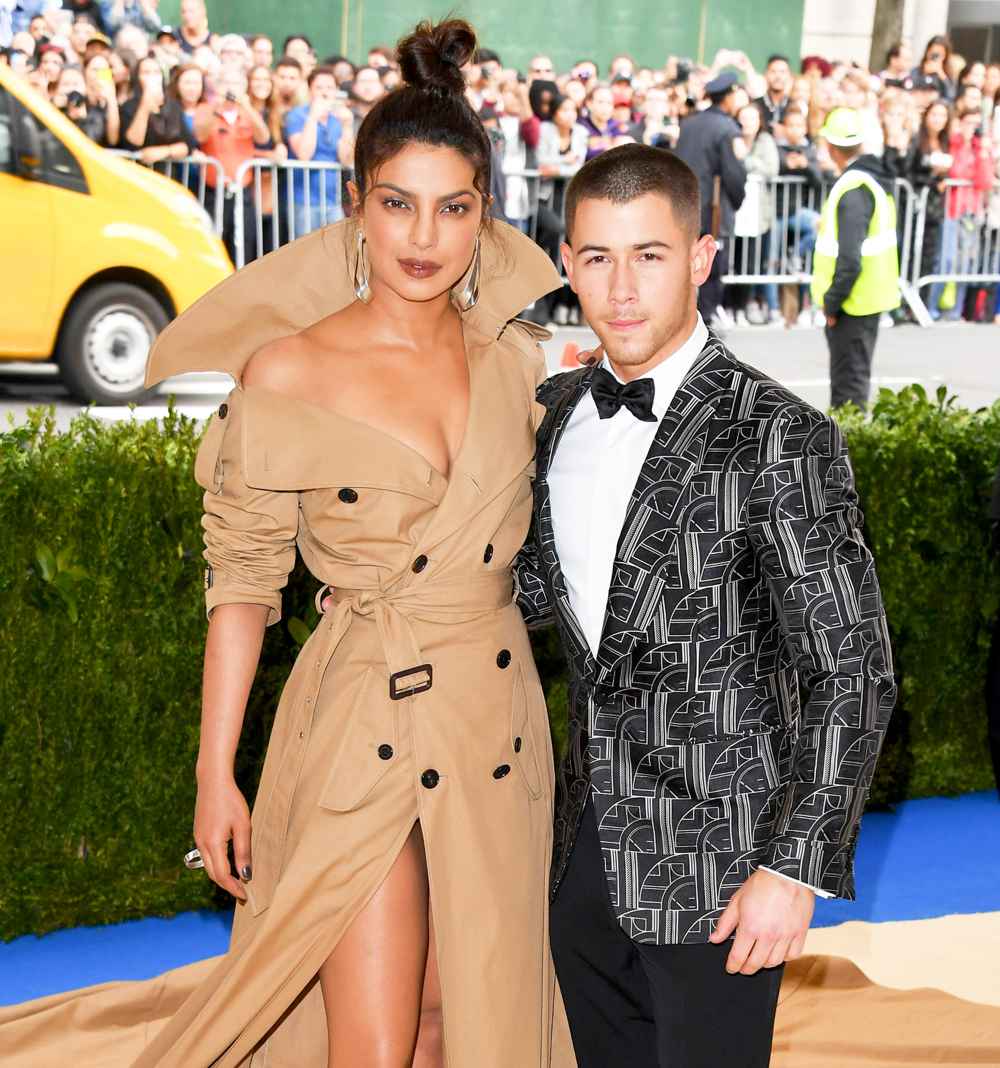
{"x": 103, "y": 122}
{"x": 320, "y": 131}
{"x": 153, "y": 122}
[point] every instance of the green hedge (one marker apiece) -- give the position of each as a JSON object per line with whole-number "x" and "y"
{"x": 101, "y": 626}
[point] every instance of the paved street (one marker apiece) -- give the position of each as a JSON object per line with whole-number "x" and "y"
{"x": 965, "y": 357}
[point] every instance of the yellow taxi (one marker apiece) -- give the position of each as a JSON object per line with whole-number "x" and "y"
{"x": 97, "y": 253}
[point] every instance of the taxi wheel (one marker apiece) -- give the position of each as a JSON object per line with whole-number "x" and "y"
{"x": 105, "y": 341}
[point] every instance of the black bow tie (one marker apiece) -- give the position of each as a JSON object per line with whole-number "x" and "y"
{"x": 610, "y": 395}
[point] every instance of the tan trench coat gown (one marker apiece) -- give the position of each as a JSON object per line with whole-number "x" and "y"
{"x": 422, "y": 611}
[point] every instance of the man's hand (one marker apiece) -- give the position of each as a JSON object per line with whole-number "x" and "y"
{"x": 770, "y": 916}
{"x": 831, "y": 320}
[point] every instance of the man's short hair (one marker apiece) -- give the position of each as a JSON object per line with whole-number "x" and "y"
{"x": 289, "y": 61}
{"x": 777, "y": 58}
{"x": 296, "y": 37}
{"x": 319, "y": 72}
{"x": 628, "y": 172}
{"x": 487, "y": 55}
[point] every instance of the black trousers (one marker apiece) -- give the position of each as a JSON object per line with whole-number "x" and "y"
{"x": 632, "y": 1005}
{"x": 852, "y": 344}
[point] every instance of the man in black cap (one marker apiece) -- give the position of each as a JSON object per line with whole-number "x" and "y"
{"x": 706, "y": 146}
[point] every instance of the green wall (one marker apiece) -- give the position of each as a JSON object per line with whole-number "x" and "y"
{"x": 568, "y": 30}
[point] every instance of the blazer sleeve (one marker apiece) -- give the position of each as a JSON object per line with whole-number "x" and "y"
{"x": 804, "y": 524}
{"x": 249, "y": 532}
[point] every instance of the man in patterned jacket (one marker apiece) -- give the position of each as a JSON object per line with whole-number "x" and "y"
{"x": 696, "y": 540}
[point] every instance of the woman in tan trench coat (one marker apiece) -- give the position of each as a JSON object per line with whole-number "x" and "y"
{"x": 414, "y": 701}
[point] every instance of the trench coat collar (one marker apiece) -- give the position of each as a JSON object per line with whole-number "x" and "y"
{"x": 297, "y": 285}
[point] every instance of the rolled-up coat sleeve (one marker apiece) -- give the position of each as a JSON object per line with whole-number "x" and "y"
{"x": 249, "y": 532}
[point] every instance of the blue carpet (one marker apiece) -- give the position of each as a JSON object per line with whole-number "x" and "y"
{"x": 928, "y": 858}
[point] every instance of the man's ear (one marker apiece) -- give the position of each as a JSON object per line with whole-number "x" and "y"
{"x": 566, "y": 253}
{"x": 702, "y": 257}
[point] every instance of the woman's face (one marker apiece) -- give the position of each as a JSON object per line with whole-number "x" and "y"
{"x": 190, "y": 86}
{"x": 801, "y": 90}
{"x": 420, "y": 245}
{"x": 566, "y": 113}
{"x": 976, "y": 75}
{"x": 51, "y": 66}
{"x": 261, "y": 83}
{"x": 937, "y": 118}
{"x": 601, "y": 105}
{"x": 576, "y": 91}
{"x": 749, "y": 118}
{"x": 854, "y": 95}
{"x": 343, "y": 71}
{"x": 92, "y": 74}
{"x": 150, "y": 73}
{"x": 991, "y": 79}
{"x": 118, "y": 68}
{"x": 71, "y": 81}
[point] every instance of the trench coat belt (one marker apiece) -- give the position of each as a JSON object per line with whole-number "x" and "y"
{"x": 455, "y": 601}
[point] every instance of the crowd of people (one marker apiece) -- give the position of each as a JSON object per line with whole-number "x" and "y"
{"x": 170, "y": 92}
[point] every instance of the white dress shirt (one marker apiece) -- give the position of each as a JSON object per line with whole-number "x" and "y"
{"x": 591, "y": 479}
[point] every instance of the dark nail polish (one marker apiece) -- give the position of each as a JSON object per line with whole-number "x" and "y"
{"x": 246, "y": 872}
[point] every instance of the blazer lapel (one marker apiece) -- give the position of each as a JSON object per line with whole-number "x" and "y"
{"x": 666, "y": 486}
{"x": 550, "y": 433}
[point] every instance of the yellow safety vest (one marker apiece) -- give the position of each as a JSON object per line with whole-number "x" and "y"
{"x": 876, "y": 288}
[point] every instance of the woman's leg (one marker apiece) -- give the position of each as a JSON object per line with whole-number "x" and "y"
{"x": 430, "y": 1037}
{"x": 372, "y": 982}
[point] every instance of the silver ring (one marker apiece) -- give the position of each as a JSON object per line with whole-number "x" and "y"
{"x": 193, "y": 859}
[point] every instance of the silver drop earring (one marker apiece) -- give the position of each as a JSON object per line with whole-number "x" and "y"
{"x": 362, "y": 285}
{"x": 469, "y": 295}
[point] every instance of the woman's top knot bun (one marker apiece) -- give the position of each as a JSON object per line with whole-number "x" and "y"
{"x": 432, "y": 56}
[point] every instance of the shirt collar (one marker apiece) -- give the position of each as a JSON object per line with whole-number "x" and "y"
{"x": 668, "y": 375}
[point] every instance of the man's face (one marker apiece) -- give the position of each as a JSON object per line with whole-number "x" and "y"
{"x": 778, "y": 77}
{"x": 263, "y": 52}
{"x": 80, "y": 35}
{"x": 368, "y": 85}
{"x": 541, "y": 68}
{"x": 795, "y": 127}
{"x": 192, "y": 12}
{"x": 636, "y": 271}
{"x": 288, "y": 81}
{"x": 323, "y": 88}
{"x": 37, "y": 28}
{"x": 298, "y": 49}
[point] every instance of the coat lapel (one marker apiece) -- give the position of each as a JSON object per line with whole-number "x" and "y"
{"x": 662, "y": 491}
{"x": 551, "y": 431}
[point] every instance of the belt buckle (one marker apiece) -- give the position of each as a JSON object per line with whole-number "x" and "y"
{"x": 397, "y": 693}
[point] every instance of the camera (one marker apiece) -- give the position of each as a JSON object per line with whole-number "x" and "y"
{"x": 231, "y": 97}
{"x": 75, "y": 99}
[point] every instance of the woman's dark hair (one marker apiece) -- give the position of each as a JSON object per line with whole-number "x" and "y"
{"x": 938, "y": 41}
{"x": 430, "y": 107}
{"x": 544, "y": 97}
{"x": 177, "y": 73}
{"x": 924, "y": 134}
{"x": 134, "y": 84}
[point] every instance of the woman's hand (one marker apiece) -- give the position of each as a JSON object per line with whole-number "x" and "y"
{"x": 221, "y": 814}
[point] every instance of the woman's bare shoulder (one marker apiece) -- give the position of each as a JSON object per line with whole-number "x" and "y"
{"x": 278, "y": 365}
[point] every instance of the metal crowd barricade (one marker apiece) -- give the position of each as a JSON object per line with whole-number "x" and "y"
{"x": 296, "y": 208}
{"x": 976, "y": 255}
{"x": 783, "y": 252}
{"x": 192, "y": 173}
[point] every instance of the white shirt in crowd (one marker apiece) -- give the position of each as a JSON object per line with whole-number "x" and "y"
{"x": 591, "y": 480}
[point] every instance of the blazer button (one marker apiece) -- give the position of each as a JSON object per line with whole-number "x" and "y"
{"x": 223, "y": 411}
{"x": 420, "y": 563}
{"x": 500, "y": 772}
{"x": 385, "y": 752}
{"x": 503, "y": 658}
{"x": 430, "y": 778}
{"x": 348, "y": 496}
{"x": 488, "y": 555}
{"x": 517, "y": 745}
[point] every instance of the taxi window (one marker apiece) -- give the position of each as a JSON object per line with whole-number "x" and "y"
{"x": 58, "y": 165}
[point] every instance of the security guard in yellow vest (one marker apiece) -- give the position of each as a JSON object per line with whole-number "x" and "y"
{"x": 856, "y": 263}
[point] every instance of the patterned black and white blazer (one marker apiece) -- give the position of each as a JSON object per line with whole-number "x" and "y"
{"x": 734, "y": 712}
